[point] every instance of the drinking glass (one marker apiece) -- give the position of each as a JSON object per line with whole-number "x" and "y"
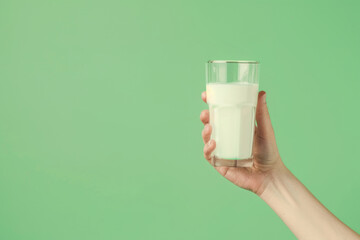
{"x": 232, "y": 89}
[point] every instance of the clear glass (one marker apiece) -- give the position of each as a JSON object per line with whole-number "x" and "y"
{"x": 232, "y": 89}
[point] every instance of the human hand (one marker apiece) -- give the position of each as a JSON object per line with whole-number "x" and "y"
{"x": 305, "y": 216}
{"x": 266, "y": 158}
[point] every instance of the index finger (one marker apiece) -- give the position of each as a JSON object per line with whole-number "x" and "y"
{"x": 203, "y": 96}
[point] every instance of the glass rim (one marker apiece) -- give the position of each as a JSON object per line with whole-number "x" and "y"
{"x": 234, "y": 61}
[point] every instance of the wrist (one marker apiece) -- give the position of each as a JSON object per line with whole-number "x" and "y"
{"x": 273, "y": 179}
{"x": 306, "y": 217}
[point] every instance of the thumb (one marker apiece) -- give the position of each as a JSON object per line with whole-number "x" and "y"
{"x": 264, "y": 127}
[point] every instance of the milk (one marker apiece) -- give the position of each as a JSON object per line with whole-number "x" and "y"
{"x": 232, "y": 117}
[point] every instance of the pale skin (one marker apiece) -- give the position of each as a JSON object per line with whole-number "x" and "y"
{"x": 273, "y": 182}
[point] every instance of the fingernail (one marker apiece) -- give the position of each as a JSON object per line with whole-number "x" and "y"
{"x": 264, "y": 98}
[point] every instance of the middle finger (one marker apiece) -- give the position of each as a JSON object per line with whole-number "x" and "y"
{"x": 206, "y": 133}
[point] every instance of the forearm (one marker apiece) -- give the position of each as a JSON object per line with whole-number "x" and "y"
{"x": 306, "y": 217}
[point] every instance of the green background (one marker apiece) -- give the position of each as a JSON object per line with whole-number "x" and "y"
{"x": 100, "y": 135}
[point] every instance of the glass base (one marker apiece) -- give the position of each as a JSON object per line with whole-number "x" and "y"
{"x": 219, "y": 162}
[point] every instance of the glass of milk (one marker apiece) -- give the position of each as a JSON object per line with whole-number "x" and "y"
{"x": 232, "y": 89}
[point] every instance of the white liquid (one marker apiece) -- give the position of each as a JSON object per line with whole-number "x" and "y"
{"x": 232, "y": 117}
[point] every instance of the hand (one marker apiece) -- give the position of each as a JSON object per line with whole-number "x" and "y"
{"x": 266, "y": 161}
{"x": 306, "y": 217}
